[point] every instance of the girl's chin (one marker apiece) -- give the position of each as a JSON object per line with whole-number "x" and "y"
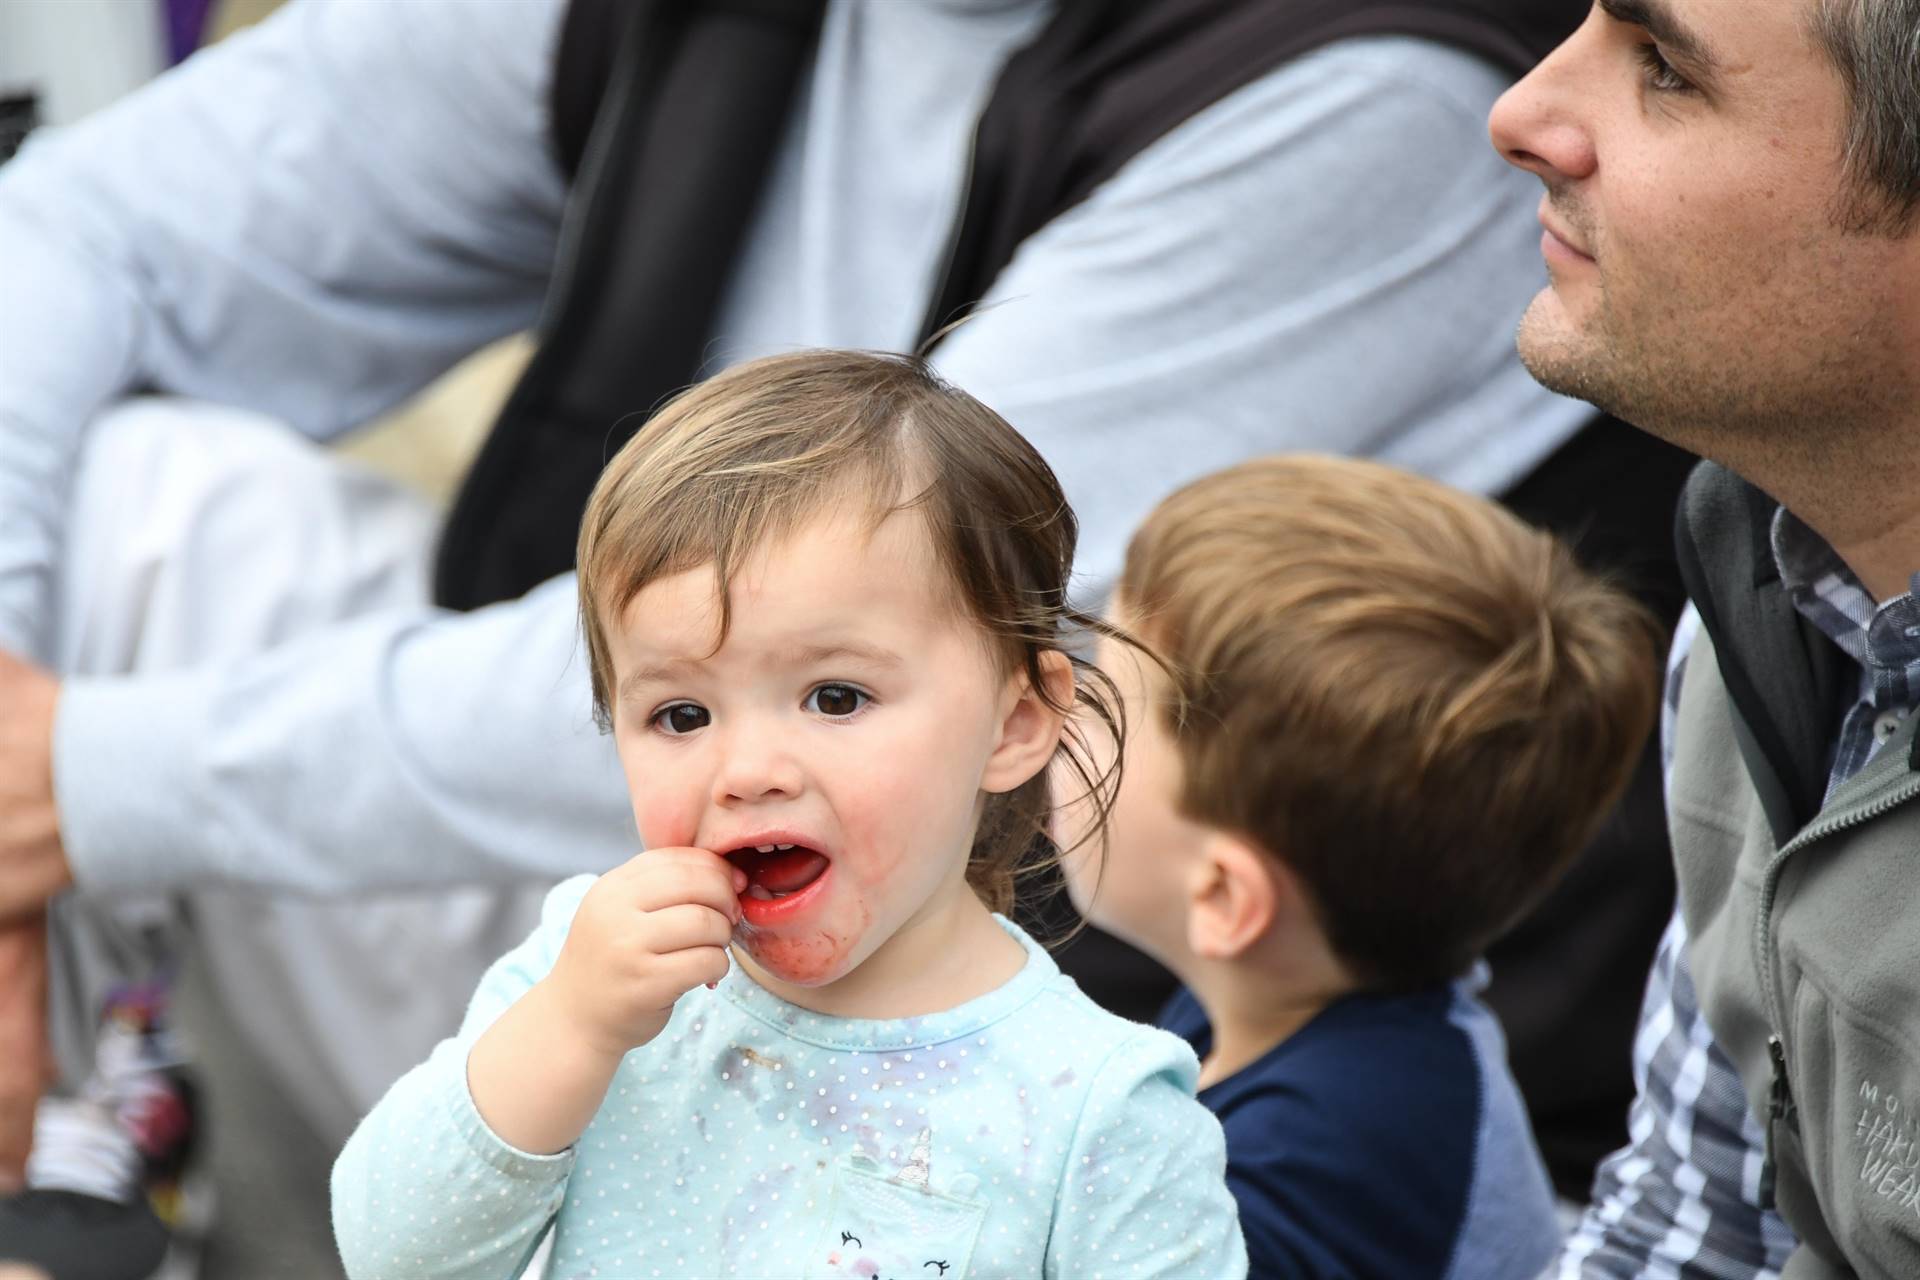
{"x": 810, "y": 961}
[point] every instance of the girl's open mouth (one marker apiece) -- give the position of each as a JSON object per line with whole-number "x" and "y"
{"x": 779, "y": 880}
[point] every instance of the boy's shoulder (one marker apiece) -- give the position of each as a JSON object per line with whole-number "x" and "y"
{"x": 1384, "y": 1104}
{"x": 1393, "y": 1068}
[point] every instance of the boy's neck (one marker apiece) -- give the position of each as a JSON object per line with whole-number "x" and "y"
{"x": 1254, "y": 1008}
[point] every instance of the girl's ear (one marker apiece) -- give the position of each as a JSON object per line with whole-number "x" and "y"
{"x": 1031, "y": 724}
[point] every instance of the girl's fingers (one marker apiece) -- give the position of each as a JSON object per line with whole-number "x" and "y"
{"x": 706, "y": 880}
{"x": 686, "y": 926}
{"x": 696, "y": 967}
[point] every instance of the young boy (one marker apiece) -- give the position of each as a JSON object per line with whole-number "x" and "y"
{"x": 1389, "y": 715}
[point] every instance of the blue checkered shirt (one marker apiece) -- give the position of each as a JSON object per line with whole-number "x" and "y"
{"x": 1682, "y": 1198}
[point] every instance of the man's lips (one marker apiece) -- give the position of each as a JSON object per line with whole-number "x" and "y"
{"x": 1555, "y": 242}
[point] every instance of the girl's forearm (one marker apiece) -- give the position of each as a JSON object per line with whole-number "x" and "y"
{"x": 534, "y": 1079}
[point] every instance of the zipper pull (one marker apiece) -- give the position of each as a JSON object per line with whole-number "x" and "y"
{"x": 1779, "y": 1108}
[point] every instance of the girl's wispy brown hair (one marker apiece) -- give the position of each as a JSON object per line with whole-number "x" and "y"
{"x": 751, "y": 455}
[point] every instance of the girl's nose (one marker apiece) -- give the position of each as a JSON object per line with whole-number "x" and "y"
{"x": 756, "y": 766}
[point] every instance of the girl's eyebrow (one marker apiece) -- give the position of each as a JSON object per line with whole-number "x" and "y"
{"x": 656, "y": 673}
{"x": 844, "y": 651}
{"x": 812, "y": 655}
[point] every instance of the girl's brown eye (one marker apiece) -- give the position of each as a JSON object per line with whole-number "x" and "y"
{"x": 682, "y": 717}
{"x": 836, "y": 700}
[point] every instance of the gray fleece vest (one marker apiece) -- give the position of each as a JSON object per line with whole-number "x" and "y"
{"x": 1803, "y": 915}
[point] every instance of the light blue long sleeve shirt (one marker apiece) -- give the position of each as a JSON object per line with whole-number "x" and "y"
{"x": 1025, "y": 1133}
{"x": 314, "y": 218}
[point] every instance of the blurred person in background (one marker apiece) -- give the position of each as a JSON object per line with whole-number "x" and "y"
{"x": 1201, "y": 230}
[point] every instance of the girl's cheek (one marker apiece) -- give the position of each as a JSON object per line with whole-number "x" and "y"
{"x": 664, "y": 814}
{"x": 666, "y": 803}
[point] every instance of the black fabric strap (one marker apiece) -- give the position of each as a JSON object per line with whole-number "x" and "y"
{"x": 590, "y": 41}
{"x": 669, "y": 178}
{"x": 19, "y": 114}
{"x": 1783, "y": 676}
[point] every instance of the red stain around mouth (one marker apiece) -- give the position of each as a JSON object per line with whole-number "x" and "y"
{"x": 806, "y": 959}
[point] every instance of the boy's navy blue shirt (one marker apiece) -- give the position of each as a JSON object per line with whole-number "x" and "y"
{"x": 1383, "y": 1139}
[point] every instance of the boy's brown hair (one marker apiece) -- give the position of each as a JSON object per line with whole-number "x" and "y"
{"x": 749, "y": 456}
{"x": 1421, "y": 705}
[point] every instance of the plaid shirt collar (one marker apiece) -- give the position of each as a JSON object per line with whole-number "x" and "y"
{"x": 1883, "y": 639}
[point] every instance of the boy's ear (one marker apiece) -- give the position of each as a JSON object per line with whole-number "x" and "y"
{"x": 1236, "y": 892}
{"x": 1030, "y": 727}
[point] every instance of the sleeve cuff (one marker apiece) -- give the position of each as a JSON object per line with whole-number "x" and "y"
{"x": 486, "y": 1145}
{"x": 124, "y": 781}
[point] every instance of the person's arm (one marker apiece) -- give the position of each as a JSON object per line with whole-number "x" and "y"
{"x": 1685, "y": 1190}
{"x": 1143, "y": 1192}
{"x": 29, "y": 824}
{"x": 647, "y": 932}
{"x": 491, "y": 1118}
{"x": 1331, "y": 259}
{"x": 24, "y": 1067}
{"x": 426, "y": 1138}
{"x": 415, "y": 748}
{"x": 35, "y": 866}
{"x": 312, "y": 219}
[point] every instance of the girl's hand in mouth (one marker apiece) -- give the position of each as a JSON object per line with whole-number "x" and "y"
{"x": 646, "y": 933}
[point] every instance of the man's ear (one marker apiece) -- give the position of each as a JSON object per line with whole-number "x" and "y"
{"x": 1031, "y": 725}
{"x": 1236, "y": 892}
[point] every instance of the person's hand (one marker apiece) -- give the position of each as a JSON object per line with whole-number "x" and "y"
{"x": 33, "y": 864}
{"x": 647, "y": 933}
{"x": 26, "y": 1064}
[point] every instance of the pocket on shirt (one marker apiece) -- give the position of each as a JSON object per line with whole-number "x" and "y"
{"x": 1857, "y": 1089}
{"x": 881, "y": 1226}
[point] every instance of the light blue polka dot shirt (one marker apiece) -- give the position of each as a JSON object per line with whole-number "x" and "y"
{"x": 1025, "y": 1133}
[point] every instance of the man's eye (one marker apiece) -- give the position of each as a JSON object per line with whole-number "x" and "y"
{"x": 942, "y": 1271}
{"x": 1659, "y": 73}
{"x": 836, "y": 701}
{"x": 681, "y": 718}
{"x": 847, "y": 1237}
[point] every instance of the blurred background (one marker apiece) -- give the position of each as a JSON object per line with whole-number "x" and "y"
{"x": 59, "y": 60}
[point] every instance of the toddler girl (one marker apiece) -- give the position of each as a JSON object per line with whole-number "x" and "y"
{"x": 824, "y": 598}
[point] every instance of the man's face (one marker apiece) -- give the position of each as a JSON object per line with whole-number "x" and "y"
{"x": 849, "y": 714}
{"x": 1704, "y": 281}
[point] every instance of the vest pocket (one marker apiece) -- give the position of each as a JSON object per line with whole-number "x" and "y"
{"x": 1857, "y": 1090}
{"x": 880, "y": 1227}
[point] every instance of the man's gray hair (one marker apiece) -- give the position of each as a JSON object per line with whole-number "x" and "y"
{"x": 1875, "y": 45}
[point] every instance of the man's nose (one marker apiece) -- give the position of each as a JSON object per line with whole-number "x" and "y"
{"x": 1541, "y": 123}
{"x": 756, "y": 765}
